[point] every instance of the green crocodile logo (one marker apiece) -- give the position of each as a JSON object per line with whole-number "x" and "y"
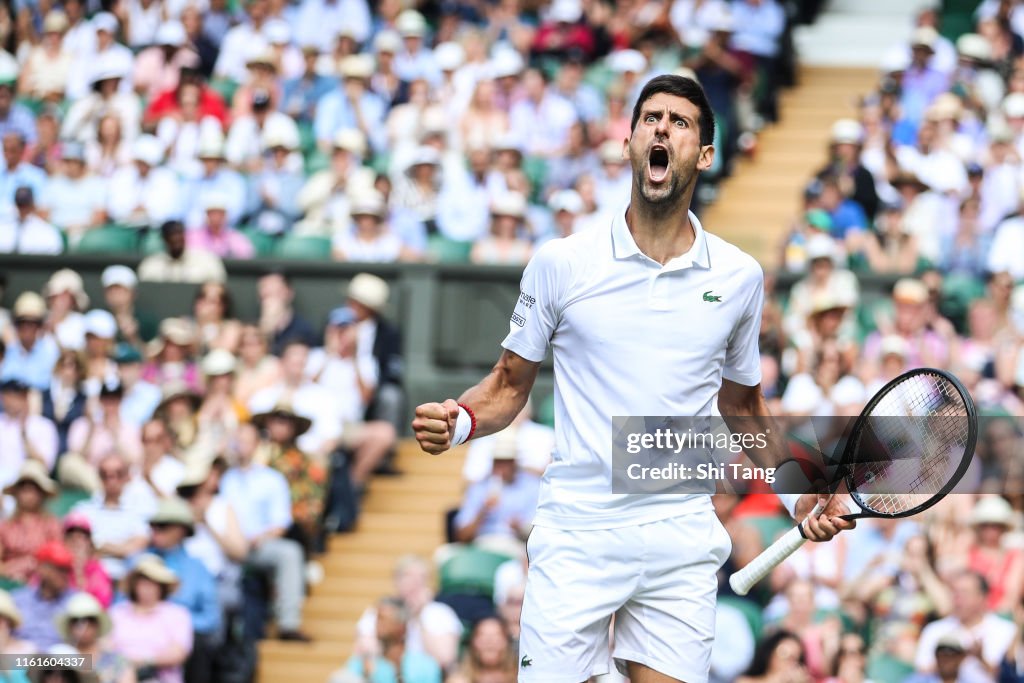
{"x": 708, "y": 296}
{"x": 525, "y": 662}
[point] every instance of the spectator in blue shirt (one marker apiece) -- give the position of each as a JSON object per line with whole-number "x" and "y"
{"x": 847, "y": 215}
{"x": 17, "y": 173}
{"x": 502, "y": 505}
{"x": 14, "y": 117}
{"x": 32, "y": 355}
{"x": 300, "y": 95}
{"x": 394, "y": 664}
{"x": 41, "y": 601}
{"x": 352, "y": 106}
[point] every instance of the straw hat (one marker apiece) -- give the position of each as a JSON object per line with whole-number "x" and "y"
{"x": 150, "y": 566}
{"x": 910, "y": 291}
{"x": 219, "y": 362}
{"x": 176, "y": 389}
{"x": 67, "y": 280}
{"x": 992, "y": 510}
{"x": 847, "y": 132}
{"x": 29, "y": 306}
{"x": 367, "y": 202}
{"x": 368, "y": 290}
{"x": 35, "y": 472}
{"x": 350, "y": 140}
{"x": 82, "y": 606}
{"x": 8, "y": 609}
{"x": 284, "y": 410}
{"x": 174, "y": 511}
{"x": 509, "y": 204}
{"x": 198, "y": 465}
{"x": 179, "y": 331}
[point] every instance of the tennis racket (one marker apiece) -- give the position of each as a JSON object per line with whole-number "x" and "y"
{"x": 908, "y": 448}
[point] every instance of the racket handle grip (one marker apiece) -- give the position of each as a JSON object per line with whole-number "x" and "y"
{"x": 746, "y": 578}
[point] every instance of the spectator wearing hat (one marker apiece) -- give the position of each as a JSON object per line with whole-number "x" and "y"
{"x": 178, "y": 410}
{"x": 75, "y": 201}
{"x": 823, "y": 277}
{"x": 169, "y": 526}
{"x": 542, "y": 118}
{"x": 300, "y": 95}
{"x": 566, "y": 206}
{"x": 31, "y": 355}
{"x": 261, "y": 500}
{"x": 118, "y": 524}
{"x": 171, "y": 355}
{"x": 88, "y": 574}
{"x": 415, "y": 59}
{"x": 612, "y": 179}
{"x": 286, "y": 56}
{"x": 45, "y": 596}
{"x": 145, "y": 193}
{"x": 220, "y": 412}
{"x": 31, "y": 526}
{"x": 349, "y": 376}
{"x": 367, "y": 295}
{"x": 14, "y": 116}
{"x": 244, "y": 145}
{"x": 158, "y": 67}
{"x": 275, "y": 190}
{"x": 66, "y": 300}
{"x": 385, "y": 82}
{"x": 417, "y": 189}
{"x": 369, "y": 238}
{"x": 921, "y": 82}
{"x": 141, "y": 398}
{"x": 353, "y": 105}
{"x": 975, "y": 74}
{"x": 101, "y": 430}
{"x": 989, "y": 555}
{"x": 151, "y": 631}
{"x": 27, "y": 232}
{"x": 845, "y": 147}
{"x": 216, "y": 236}
{"x": 26, "y": 437}
{"x": 65, "y": 400}
{"x": 986, "y": 636}
{"x": 44, "y": 75}
{"x": 278, "y": 319}
{"x": 17, "y": 173}
{"x": 925, "y": 347}
{"x": 106, "y": 96}
{"x": 562, "y": 34}
{"x": 506, "y": 243}
{"x": 262, "y": 69}
{"x": 134, "y": 326}
{"x": 84, "y": 625}
{"x": 324, "y": 198}
{"x": 100, "y": 334}
{"x": 316, "y": 21}
{"x": 214, "y": 179}
{"x": 239, "y": 40}
{"x": 10, "y": 620}
{"x": 177, "y": 263}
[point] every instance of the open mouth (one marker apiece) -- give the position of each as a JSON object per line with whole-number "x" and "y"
{"x": 657, "y": 162}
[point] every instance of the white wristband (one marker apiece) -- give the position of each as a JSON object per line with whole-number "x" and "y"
{"x": 790, "y": 484}
{"x": 463, "y": 425}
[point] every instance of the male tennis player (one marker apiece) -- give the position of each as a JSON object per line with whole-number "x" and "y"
{"x": 650, "y": 316}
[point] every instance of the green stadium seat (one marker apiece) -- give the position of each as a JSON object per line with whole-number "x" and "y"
{"x": 750, "y": 610}
{"x": 445, "y": 250}
{"x": 225, "y": 88}
{"x": 769, "y": 528}
{"x": 471, "y": 572}
{"x": 316, "y": 161}
{"x": 109, "y": 239}
{"x": 888, "y": 669}
{"x": 308, "y": 248}
{"x": 545, "y": 413}
{"x": 152, "y": 243}
{"x": 9, "y": 584}
{"x": 536, "y": 171}
{"x": 261, "y": 241}
{"x": 61, "y": 504}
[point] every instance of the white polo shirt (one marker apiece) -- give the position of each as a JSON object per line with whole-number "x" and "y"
{"x": 631, "y": 338}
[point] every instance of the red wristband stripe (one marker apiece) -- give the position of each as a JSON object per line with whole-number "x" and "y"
{"x": 472, "y": 420}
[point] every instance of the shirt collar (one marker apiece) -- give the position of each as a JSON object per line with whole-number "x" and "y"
{"x": 624, "y": 246}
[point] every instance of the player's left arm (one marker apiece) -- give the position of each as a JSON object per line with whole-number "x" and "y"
{"x": 746, "y": 413}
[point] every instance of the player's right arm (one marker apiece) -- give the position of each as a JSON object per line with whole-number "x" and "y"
{"x": 495, "y": 402}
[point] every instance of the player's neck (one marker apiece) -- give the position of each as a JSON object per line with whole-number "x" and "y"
{"x": 661, "y": 233}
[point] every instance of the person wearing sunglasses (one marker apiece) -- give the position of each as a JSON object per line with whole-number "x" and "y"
{"x": 84, "y": 625}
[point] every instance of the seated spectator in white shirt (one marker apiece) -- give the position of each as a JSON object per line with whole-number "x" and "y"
{"x": 144, "y": 194}
{"x": 324, "y": 199}
{"x": 369, "y": 239}
{"x": 26, "y": 232}
{"x": 107, "y": 97}
{"x": 119, "y": 530}
{"x": 351, "y": 377}
{"x": 76, "y": 200}
{"x": 262, "y": 502}
{"x": 22, "y": 434}
{"x": 140, "y": 397}
{"x": 178, "y": 263}
{"x": 158, "y": 473}
{"x": 433, "y": 628}
{"x": 244, "y": 148}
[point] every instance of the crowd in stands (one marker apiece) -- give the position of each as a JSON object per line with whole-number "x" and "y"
{"x": 169, "y": 483}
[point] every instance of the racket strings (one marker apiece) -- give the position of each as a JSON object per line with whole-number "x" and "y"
{"x": 914, "y": 440}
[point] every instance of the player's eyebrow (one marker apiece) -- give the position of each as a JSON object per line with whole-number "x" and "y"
{"x": 672, "y": 114}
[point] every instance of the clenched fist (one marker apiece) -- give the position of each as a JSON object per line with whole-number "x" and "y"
{"x": 434, "y": 425}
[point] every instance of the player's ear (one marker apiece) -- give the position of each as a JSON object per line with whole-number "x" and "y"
{"x": 625, "y": 149}
{"x": 706, "y": 157}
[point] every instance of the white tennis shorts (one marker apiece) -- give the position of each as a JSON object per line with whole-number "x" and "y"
{"x": 658, "y": 580}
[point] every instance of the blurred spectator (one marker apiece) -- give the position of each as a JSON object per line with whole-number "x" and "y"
{"x": 260, "y": 498}
{"x": 924, "y": 346}
{"x": 385, "y": 81}
{"x": 921, "y": 83}
{"x": 892, "y": 248}
{"x": 324, "y": 199}
{"x": 27, "y": 232}
{"x": 844, "y": 163}
{"x": 141, "y": 398}
{"x": 48, "y": 65}
{"x": 779, "y": 656}
{"x": 433, "y": 627}
{"x": 31, "y": 526}
{"x": 989, "y": 556}
{"x": 134, "y": 325}
{"x": 157, "y": 474}
{"x": 300, "y": 95}
{"x": 31, "y": 356}
{"x": 417, "y": 189}
{"x": 179, "y": 263}
{"x": 144, "y": 194}
{"x": 278, "y": 319}
{"x": 759, "y": 26}
{"x": 950, "y": 653}
{"x": 507, "y": 243}
{"x": 10, "y": 620}
{"x": 64, "y": 401}
{"x": 532, "y": 443}
{"x": 17, "y": 173}
{"x": 244, "y": 144}
{"x": 178, "y": 411}
{"x": 541, "y": 119}
{"x": 394, "y": 662}
{"x": 75, "y": 201}
{"x": 490, "y": 655}
{"x": 46, "y": 595}
{"x": 257, "y": 369}
{"x": 215, "y": 180}
{"x": 109, "y": 151}
{"x": 369, "y": 239}
{"x": 101, "y": 429}
{"x": 220, "y": 412}
{"x": 14, "y": 116}
{"x": 26, "y": 437}
{"x": 350, "y": 376}
{"x": 84, "y": 625}
{"x": 989, "y": 636}
{"x": 367, "y": 295}
{"x": 119, "y": 526}
{"x": 191, "y": 92}
{"x": 825, "y": 279}
{"x": 275, "y": 189}
{"x": 87, "y": 574}
{"x": 107, "y": 97}
{"x": 317, "y": 20}
{"x": 353, "y": 106}
{"x": 149, "y": 630}
{"x": 158, "y": 67}
{"x": 215, "y": 236}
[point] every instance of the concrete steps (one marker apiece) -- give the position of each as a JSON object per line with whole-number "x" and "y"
{"x": 401, "y": 515}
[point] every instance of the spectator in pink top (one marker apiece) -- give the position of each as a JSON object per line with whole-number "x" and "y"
{"x": 153, "y": 633}
{"x": 101, "y": 430}
{"x": 158, "y": 68}
{"x": 215, "y": 236}
{"x": 87, "y": 573}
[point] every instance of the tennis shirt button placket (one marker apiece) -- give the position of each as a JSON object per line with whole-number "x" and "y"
{"x": 658, "y": 298}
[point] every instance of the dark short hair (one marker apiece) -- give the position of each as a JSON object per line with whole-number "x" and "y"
{"x": 171, "y": 226}
{"x": 688, "y": 89}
